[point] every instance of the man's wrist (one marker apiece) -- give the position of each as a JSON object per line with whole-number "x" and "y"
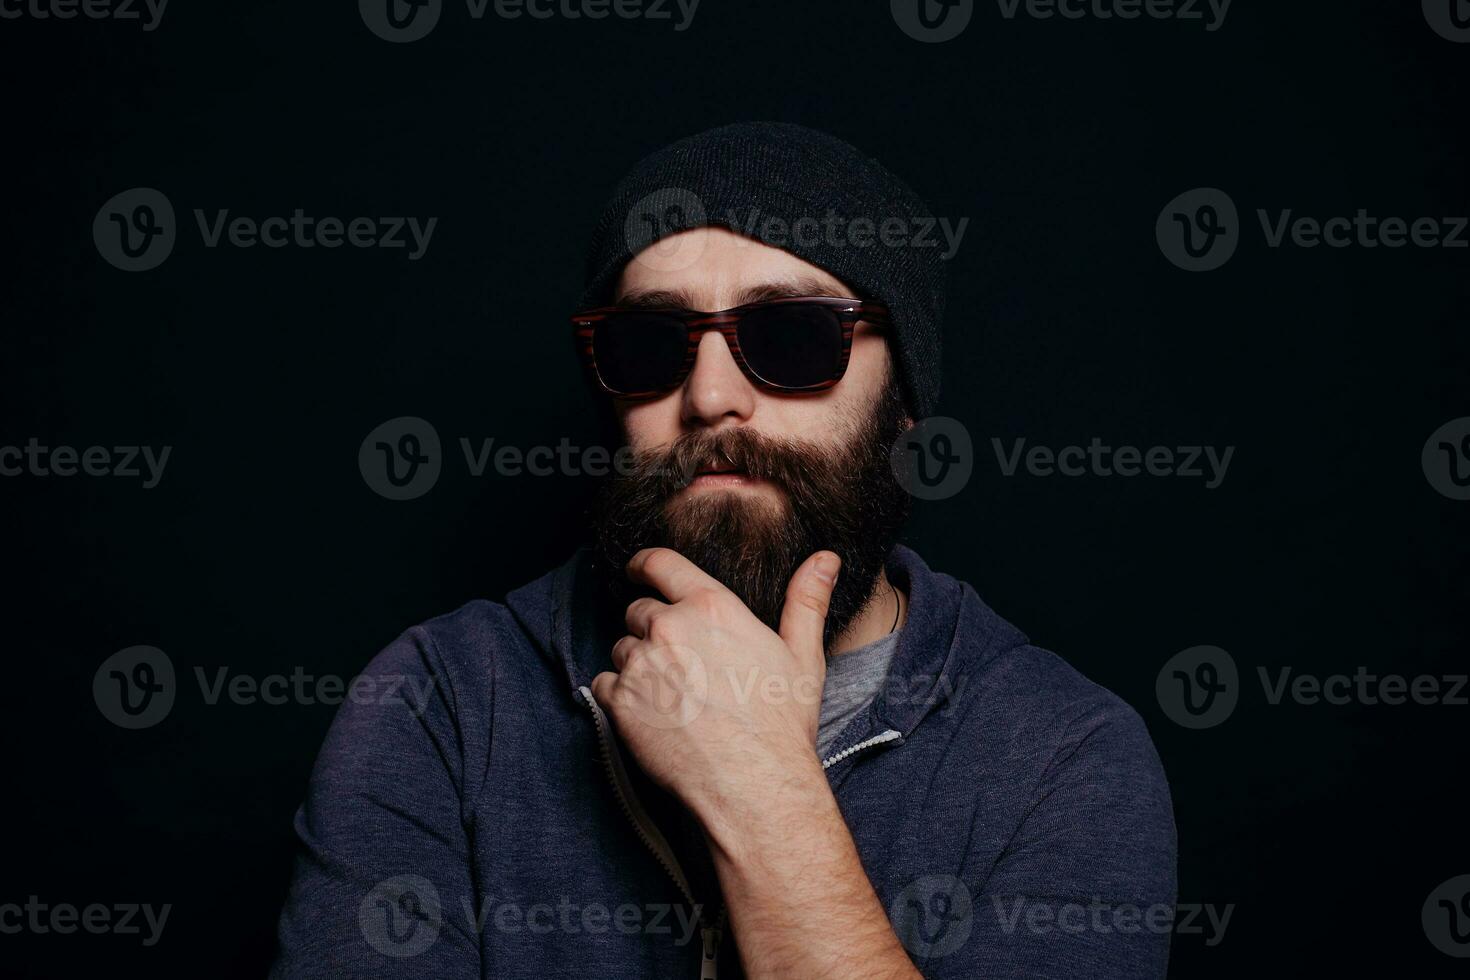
{"x": 768, "y": 810}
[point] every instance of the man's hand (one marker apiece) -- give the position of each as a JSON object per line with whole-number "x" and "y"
{"x": 723, "y": 713}
{"x": 712, "y": 703}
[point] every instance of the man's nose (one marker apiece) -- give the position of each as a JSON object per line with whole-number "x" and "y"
{"x": 716, "y": 392}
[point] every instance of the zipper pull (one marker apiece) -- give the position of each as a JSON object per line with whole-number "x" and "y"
{"x": 709, "y": 968}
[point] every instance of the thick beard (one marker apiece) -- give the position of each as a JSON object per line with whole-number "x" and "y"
{"x": 842, "y": 499}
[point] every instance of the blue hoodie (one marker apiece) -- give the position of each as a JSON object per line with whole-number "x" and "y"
{"x": 471, "y": 813}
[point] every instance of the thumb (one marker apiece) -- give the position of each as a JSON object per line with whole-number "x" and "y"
{"x": 807, "y": 596}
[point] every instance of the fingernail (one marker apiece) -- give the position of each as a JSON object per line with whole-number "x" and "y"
{"x": 827, "y": 567}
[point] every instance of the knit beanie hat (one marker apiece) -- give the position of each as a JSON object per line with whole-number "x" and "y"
{"x": 803, "y": 191}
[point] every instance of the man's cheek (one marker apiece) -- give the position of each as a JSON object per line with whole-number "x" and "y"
{"x": 650, "y": 424}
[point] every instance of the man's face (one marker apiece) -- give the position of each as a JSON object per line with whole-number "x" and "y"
{"x": 745, "y": 482}
{"x": 711, "y": 269}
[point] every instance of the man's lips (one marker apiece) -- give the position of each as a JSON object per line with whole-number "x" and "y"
{"x": 722, "y": 473}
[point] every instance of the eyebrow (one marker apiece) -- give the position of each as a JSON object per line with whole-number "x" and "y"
{"x": 682, "y": 299}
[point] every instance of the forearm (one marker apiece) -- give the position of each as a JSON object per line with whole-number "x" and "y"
{"x": 799, "y": 901}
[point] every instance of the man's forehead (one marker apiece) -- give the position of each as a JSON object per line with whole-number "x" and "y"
{"x": 714, "y": 268}
{"x": 689, "y": 297}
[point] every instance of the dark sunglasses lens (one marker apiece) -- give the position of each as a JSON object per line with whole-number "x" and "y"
{"x": 639, "y": 352}
{"x": 793, "y": 345}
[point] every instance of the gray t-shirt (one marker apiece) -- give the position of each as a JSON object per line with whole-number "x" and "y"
{"x": 853, "y": 680}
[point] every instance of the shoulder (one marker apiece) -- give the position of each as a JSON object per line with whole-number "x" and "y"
{"x": 458, "y": 647}
{"x": 1057, "y": 717}
{"x": 1055, "y": 727}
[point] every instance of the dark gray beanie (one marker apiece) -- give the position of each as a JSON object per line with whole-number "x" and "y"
{"x": 803, "y": 191}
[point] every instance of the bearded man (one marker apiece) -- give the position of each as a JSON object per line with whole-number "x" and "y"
{"x": 744, "y": 732}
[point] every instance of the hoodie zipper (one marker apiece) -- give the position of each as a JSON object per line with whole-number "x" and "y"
{"x": 654, "y": 840}
{"x": 880, "y": 739}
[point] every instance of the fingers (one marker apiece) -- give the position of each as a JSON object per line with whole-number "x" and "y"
{"x": 622, "y": 650}
{"x": 602, "y": 686}
{"x": 640, "y": 614}
{"x": 673, "y": 575}
{"x": 807, "y": 596}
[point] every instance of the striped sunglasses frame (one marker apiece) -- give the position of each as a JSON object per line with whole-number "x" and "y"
{"x": 848, "y": 312}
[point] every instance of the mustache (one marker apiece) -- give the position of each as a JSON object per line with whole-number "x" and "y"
{"x": 781, "y": 461}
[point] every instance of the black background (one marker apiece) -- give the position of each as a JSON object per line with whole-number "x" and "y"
{"x": 263, "y": 550}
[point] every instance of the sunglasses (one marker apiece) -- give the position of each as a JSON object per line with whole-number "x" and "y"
{"x": 794, "y": 345}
